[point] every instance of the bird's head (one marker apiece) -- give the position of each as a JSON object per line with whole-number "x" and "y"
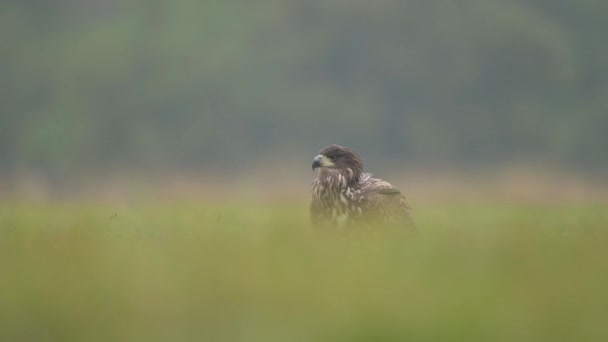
{"x": 339, "y": 158}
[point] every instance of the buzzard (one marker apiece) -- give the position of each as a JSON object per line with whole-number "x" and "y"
{"x": 344, "y": 195}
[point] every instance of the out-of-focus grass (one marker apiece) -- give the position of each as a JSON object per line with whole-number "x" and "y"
{"x": 255, "y": 272}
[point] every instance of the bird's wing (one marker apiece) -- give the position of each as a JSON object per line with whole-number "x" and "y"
{"x": 381, "y": 198}
{"x": 370, "y": 185}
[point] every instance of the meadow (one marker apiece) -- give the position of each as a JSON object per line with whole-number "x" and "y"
{"x": 254, "y": 271}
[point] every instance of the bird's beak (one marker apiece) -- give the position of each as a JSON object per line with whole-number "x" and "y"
{"x": 317, "y": 162}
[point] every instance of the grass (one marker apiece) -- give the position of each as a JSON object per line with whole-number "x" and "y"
{"x": 255, "y": 272}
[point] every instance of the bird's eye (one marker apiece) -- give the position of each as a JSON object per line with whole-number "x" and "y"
{"x": 332, "y": 157}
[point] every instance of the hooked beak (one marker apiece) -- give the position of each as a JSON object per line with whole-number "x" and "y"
{"x": 316, "y": 162}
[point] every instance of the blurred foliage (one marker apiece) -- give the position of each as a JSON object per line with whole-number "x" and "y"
{"x": 255, "y": 272}
{"x": 92, "y": 85}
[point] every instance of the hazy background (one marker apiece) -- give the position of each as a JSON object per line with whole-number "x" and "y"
{"x": 155, "y": 160}
{"x": 92, "y": 89}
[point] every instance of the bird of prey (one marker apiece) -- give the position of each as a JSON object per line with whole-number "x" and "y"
{"x": 343, "y": 195}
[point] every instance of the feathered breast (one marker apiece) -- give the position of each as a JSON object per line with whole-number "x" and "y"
{"x": 370, "y": 200}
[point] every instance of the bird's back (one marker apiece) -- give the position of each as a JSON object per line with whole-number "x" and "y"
{"x": 382, "y": 203}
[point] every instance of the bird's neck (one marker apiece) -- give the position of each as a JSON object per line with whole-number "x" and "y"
{"x": 338, "y": 179}
{"x": 331, "y": 182}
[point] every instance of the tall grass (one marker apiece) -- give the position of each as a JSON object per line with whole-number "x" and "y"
{"x": 256, "y": 272}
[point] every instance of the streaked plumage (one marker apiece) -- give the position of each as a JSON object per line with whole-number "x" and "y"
{"x": 343, "y": 195}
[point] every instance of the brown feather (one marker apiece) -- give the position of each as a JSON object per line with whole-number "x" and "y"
{"x": 343, "y": 195}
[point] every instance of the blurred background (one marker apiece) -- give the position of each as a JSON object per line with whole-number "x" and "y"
{"x": 155, "y": 163}
{"x": 214, "y": 91}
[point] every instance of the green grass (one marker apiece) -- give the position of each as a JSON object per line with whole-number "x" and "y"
{"x": 255, "y": 272}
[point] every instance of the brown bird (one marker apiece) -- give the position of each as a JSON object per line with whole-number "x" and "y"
{"x": 344, "y": 195}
